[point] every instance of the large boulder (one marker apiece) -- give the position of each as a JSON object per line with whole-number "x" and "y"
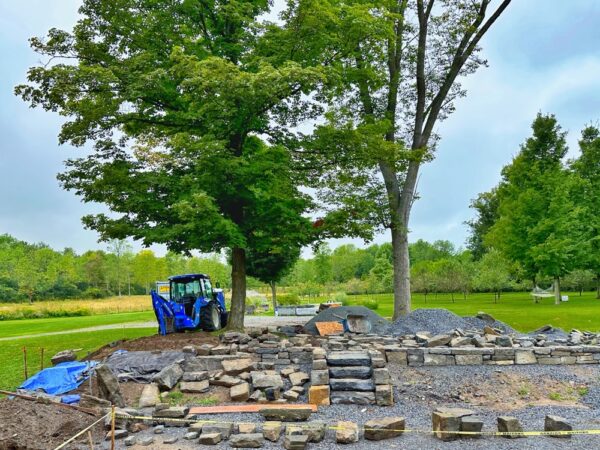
{"x": 150, "y": 396}
{"x": 167, "y": 378}
{"x": 108, "y": 386}
{"x": 64, "y": 356}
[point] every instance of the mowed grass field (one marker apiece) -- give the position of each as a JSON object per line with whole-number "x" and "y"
{"x": 515, "y": 308}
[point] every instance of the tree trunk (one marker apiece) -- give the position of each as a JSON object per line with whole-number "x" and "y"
{"x": 402, "y": 299}
{"x": 238, "y": 289}
{"x": 598, "y": 285}
{"x": 557, "y": 290}
{"x": 274, "y": 295}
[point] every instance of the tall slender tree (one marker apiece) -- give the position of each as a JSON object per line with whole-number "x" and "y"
{"x": 395, "y": 69}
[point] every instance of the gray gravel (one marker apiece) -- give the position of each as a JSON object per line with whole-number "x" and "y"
{"x": 438, "y": 321}
{"x": 415, "y": 400}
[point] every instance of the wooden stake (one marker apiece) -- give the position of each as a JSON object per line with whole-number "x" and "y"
{"x": 91, "y": 440}
{"x": 25, "y": 361}
{"x": 112, "y": 429}
{"x": 42, "y": 359}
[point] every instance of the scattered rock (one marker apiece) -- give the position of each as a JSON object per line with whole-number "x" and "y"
{"x": 210, "y": 438}
{"x": 191, "y": 435}
{"x": 556, "y": 423}
{"x": 108, "y": 386}
{"x": 439, "y": 340}
{"x": 240, "y": 392}
{"x": 224, "y": 428}
{"x": 150, "y": 396}
{"x": 119, "y": 434}
{"x": 170, "y": 440}
{"x": 195, "y": 376}
{"x": 384, "y": 428}
{"x": 314, "y": 430}
{"x": 194, "y": 387}
{"x": 247, "y": 440}
{"x": 247, "y": 428}
{"x": 471, "y": 424}
{"x": 145, "y": 441}
{"x": 262, "y": 380}
{"x": 299, "y": 378}
{"x": 286, "y": 415}
{"x": 226, "y": 381}
{"x": 272, "y": 430}
{"x": 174, "y": 412}
{"x": 384, "y": 395}
{"x": 346, "y": 433}
{"x": 64, "y": 356}
{"x": 168, "y": 377}
{"x": 295, "y": 441}
{"x": 237, "y": 366}
{"x": 509, "y": 424}
{"x": 445, "y": 425}
{"x": 129, "y": 441}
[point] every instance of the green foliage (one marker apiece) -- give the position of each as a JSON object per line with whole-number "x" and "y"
{"x": 288, "y": 299}
{"x": 371, "y": 304}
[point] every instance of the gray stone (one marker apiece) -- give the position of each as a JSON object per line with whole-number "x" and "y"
{"x": 108, "y": 386}
{"x": 352, "y": 398}
{"x": 314, "y": 430}
{"x": 351, "y": 384}
{"x": 261, "y": 380}
{"x": 460, "y": 341}
{"x": 174, "y": 412}
{"x": 299, "y": 378}
{"x": 438, "y": 360}
{"x": 150, "y": 396}
{"x": 439, "y": 340}
{"x": 129, "y": 441}
{"x": 247, "y": 440}
{"x": 194, "y": 387}
{"x": 246, "y": 427}
{"x": 272, "y": 430}
{"x": 472, "y": 425}
{"x": 348, "y": 359}
{"x": 272, "y": 394}
{"x": 64, "y": 356}
{"x": 210, "y": 438}
{"x": 556, "y": 423}
{"x": 525, "y": 357}
{"x": 119, "y": 434}
{"x": 285, "y": 415}
{"x": 237, "y": 366}
{"x": 295, "y": 441}
{"x": 509, "y": 424}
{"x": 170, "y": 439}
{"x": 191, "y": 435}
{"x": 504, "y": 341}
{"x": 167, "y": 378}
{"x": 468, "y": 360}
{"x": 145, "y": 441}
{"x": 223, "y": 428}
{"x": 291, "y": 395}
{"x": 346, "y": 433}
{"x": 319, "y": 364}
{"x": 319, "y": 377}
{"x": 195, "y": 376}
{"x": 381, "y": 376}
{"x": 384, "y": 395}
{"x": 350, "y": 372}
{"x": 445, "y": 425}
{"x": 159, "y": 429}
{"x": 384, "y": 428}
{"x": 89, "y": 401}
{"x": 240, "y": 392}
{"x": 226, "y": 381}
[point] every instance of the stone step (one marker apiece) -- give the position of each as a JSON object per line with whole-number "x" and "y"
{"x": 352, "y": 398}
{"x": 351, "y": 384}
{"x": 350, "y": 372}
{"x": 348, "y": 359}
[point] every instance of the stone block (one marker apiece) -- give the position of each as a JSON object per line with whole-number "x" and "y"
{"x": 381, "y": 376}
{"x": 438, "y": 360}
{"x": 318, "y": 395}
{"x": 399, "y": 358}
{"x": 223, "y": 428}
{"x": 351, "y": 384}
{"x": 468, "y": 360}
{"x": 295, "y": 441}
{"x": 194, "y": 387}
{"x": 272, "y": 430}
{"x": 348, "y": 359}
{"x": 384, "y": 428}
{"x": 472, "y": 425}
{"x": 247, "y": 440}
{"x": 556, "y": 423}
{"x": 319, "y": 377}
{"x": 511, "y": 425}
{"x": 285, "y": 415}
{"x": 346, "y": 433}
{"x": 445, "y": 425}
{"x": 210, "y": 438}
{"x": 350, "y": 372}
{"x": 384, "y": 395}
{"x": 525, "y": 357}
{"x": 240, "y": 392}
{"x": 352, "y": 398}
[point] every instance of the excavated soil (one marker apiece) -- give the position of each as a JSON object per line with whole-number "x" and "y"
{"x": 175, "y": 341}
{"x": 30, "y": 425}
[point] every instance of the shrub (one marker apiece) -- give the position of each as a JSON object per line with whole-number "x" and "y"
{"x": 288, "y": 299}
{"x": 371, "y": 304}
{"x": 341, "y": 297}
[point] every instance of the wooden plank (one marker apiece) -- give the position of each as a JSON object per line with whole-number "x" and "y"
{"x": 327, "y": 328}
{"x": 224, "y": 409}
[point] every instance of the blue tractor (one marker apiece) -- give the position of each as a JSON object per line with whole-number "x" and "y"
{"x": 189, "y": 302}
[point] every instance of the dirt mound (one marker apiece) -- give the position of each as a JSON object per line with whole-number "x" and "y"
{"x": 438, "y": 321}
{"x": 174, "y": 341}
{"x": 378, "y": 323}
{"x": 29, "y": 425}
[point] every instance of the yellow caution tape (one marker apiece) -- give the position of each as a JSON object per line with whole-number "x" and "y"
{"x": 406, "y": 430}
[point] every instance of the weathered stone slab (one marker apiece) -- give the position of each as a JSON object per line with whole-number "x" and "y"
{"x": 299, "y": 378}
{"x": 295, "y": 441}
{"x": 64, "y": 356}
{"x": 351, "y": 384}
{"x": 438, "y": 360}
{"x": 439, "y": 340}
{"x": 319, "y": 395}
{"x": 195, "y": 376}
{"x": 352, "y": 398}
{"x": 556, "y": 423}
{"x": 272, "y": 430}
{"x": 350, "y": 372}
{"x": 509, "y": 424}
{"x": 346, "y": 433}
{"x": 226, "y": 381}
{"x": 237, "y": 366}
{"x": 472, "y": 425}
{"x": 223, "y": 428}
{"x": 174, "y": 412}
{"x": 240, "y": 392}
{"x": 247, "y": 440}
{"x": 108, "y": 386}
{"x": 194, "y": 387}
{"x": 314, "y": 430}
{"x": 384, "y": 428}
{"x": 149, "y": 396}
{"x": 468, "y": 360}
{"x": 285, "y": 415}
{"x": 445, "y": 425}
{"x": 348, "y": 359}
{"x": 262, "y": 380}
{"x": 167, "y": 378}
{"x": 525, "y": 357}
{"x": 210, "y": 438}
{"x": 319, "y": 377}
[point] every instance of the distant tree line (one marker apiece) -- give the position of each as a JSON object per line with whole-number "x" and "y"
{"x": 30, "y": 272}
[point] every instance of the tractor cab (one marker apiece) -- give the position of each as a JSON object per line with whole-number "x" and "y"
{"x": 190, "y": 303}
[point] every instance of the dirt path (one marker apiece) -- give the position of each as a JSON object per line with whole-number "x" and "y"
{"x": 250, "y": 321}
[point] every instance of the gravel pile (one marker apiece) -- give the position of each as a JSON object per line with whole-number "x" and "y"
{"x": 438, "y": 321}
{"x": 378, "y": 323}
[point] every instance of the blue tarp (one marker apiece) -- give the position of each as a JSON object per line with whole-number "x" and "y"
{"x": 63, "y": 377}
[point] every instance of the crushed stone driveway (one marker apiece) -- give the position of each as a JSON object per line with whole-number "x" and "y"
{"x": 250, "y": 321}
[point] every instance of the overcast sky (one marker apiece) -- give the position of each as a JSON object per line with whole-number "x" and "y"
{"x": 544, "y": 55}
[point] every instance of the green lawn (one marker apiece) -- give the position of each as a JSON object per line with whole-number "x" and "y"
{"x": 11, "y": 352}
{"x": 9, "y": 328}
{"x": 516, "y": 308}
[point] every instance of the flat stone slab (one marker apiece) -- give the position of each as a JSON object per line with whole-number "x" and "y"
{"x": 350, "y": 372}
{"x": 348, "y": 359}
{"x": 351, "y": 384}
{"x": 286, "y": 414}
{"x": 352, "y": 398}
{"x": 247, "y": 440}
{"x": 384, "y": 428}
{"x": 194, "y": 387}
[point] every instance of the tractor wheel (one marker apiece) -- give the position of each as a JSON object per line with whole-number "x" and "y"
{"x": 210, "y": 318}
